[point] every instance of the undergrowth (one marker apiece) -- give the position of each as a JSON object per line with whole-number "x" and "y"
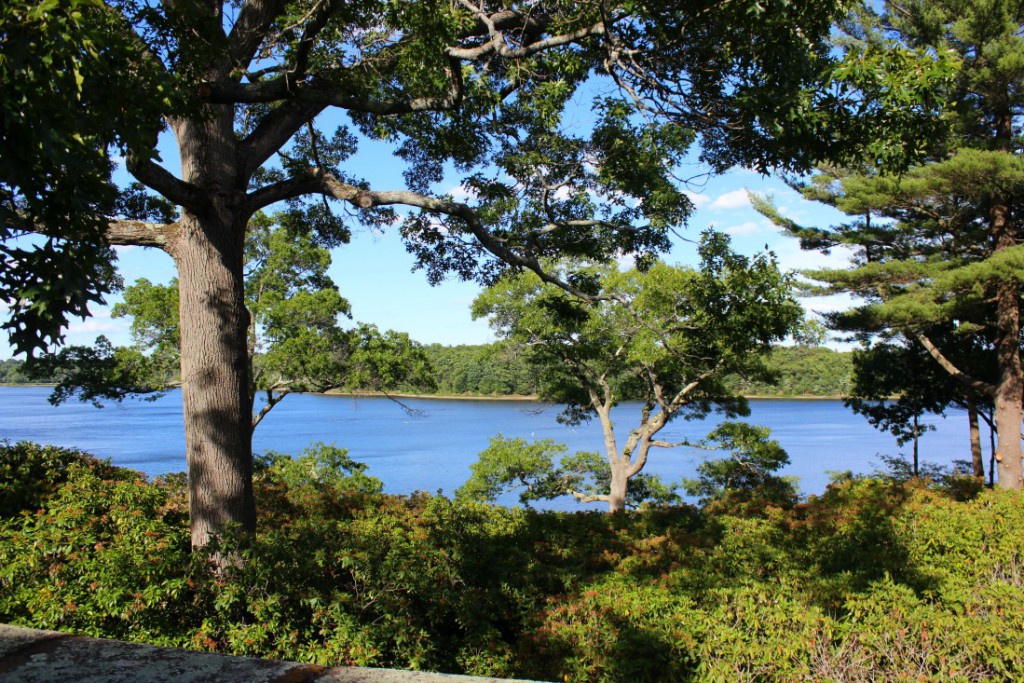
{"x": 874, "y": 580}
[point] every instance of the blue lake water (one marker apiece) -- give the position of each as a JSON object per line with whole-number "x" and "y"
{"x": 433, "y": 448}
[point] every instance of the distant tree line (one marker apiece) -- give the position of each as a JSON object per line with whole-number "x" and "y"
{"x": 13, "y": 372}
{"x": 480, "y": 369}
{"x": 494, "y": 370}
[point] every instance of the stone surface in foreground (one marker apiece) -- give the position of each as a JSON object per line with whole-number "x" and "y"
{"x": 31, "y": 656}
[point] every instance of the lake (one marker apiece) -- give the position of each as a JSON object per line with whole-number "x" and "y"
{"x": 432, "y": 447}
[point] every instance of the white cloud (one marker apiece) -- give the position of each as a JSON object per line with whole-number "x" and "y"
{"x": 461, "y": 193}
{"x": 100, "y": 322}
{"x": 98, "y": 325}
{"x": 736, "y": 199}
{"x": 829, "y": 304}
{"x": 792, "y": 257}
{"x": 699, "y": 199}
{"x": 625, "y": 261}
{"x": 748, "y": 228}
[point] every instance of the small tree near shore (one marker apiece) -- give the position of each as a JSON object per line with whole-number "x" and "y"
{"x": 667, "y": 336}
{"x": 296, "y": 342}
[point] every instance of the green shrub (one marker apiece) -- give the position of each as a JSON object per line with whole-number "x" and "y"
{"x": 872, "y": 581}
{"x": 103, "y": 557}
{"x": 30, "y": 473}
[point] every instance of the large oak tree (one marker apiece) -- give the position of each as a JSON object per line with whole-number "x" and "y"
{"x": 477, "y": 86}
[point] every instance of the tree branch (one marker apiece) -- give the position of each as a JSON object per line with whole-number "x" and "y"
{"x": 158, "y": 178}
{"x": 497, "y": 45}
{"x": 273, "y": 131}
{"x": 142, "y": 234}
{"x": 589, "y": 497}
{"x": 250, "y": 28}
{"x": 285, "y": 87}
{"x": 959, "y": 375}
{"x": 324, "y": 183}
{"x": 680, "y": 399}
{"x": 272, "y": 401}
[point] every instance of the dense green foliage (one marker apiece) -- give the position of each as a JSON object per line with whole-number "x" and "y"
{"x": 73, "y": 85}
{"x": 665, "y": 335}
{"x": 800, "y": 371}
{"x": 872, "y": 581}
{"x": 938, "y": 250}
{"x": 480, "y": 369}
{"x": 513, "y": 465}
{"x": 489, "y": 369}
{"x": 13, "y": 372}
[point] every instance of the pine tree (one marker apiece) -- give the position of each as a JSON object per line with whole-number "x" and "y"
{"x": 941, "y": 244}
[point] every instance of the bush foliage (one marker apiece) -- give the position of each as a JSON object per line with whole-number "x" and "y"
{"x": 875, "y": 579}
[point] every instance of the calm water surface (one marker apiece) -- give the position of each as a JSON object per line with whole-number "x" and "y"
{"x": 433, "y": 448}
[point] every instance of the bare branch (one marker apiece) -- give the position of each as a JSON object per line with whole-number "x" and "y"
{"x": 272, "y": 400}
{"x": 142, "y": 234}
{"x": 287, "y": 87}
{"x": 497, "y": 45}
{"x": 684, "y": 442}
{"x": 959, "y": 375}
{"x": 321, "y": 13}
{"x": 273, "y": 131}
{"x": 589, "y": 497}
{"x": 682, "y": 396}
{"x": 250, "y": 28}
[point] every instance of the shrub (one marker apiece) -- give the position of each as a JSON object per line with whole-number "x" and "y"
{"x": 874, "y": 580}
{"x": 30, "y": 473}
{"x": 103, "y": 557}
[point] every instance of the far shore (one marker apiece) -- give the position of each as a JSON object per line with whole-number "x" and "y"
{"x": 438, "y": 397}
{"x": 535, "y": 399}
{"x": 482, "y": 397}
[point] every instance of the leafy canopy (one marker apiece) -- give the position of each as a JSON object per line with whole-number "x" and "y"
{"x": 652, "y": 333}
{"x": 73, "y": 86}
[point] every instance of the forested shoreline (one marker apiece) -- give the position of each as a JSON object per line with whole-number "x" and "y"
{"x": 490, "y": 370}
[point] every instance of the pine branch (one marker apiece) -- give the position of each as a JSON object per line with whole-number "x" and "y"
{"x": 959, "y": 375}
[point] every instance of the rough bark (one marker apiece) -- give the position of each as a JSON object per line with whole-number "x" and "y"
{"x": 1009, "y": 393}
{"x": 215, "y": 384}
{"x": 208, "y": 252}
{"x": 1008, "y": 409}
{"x": 977, "y": 463}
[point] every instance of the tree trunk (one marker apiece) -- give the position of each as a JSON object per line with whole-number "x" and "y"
{"x": 215, "y": 380}
{"x": 977, "y": 463}
{"x": 619, "y": 485}
{"x": 1010, "y": 390}
{"x": 214, "y": 326}
{"x": 917, "y": 439}
{"x": 991, "y": 457}
{"x": 618, "y": 464}
{"x": 1008, "y": 409}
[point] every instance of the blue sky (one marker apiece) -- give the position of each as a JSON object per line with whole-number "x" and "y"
{"x": 374, "y": 272}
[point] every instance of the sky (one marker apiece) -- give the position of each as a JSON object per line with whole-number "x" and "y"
{"x": 375, "y": 273}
